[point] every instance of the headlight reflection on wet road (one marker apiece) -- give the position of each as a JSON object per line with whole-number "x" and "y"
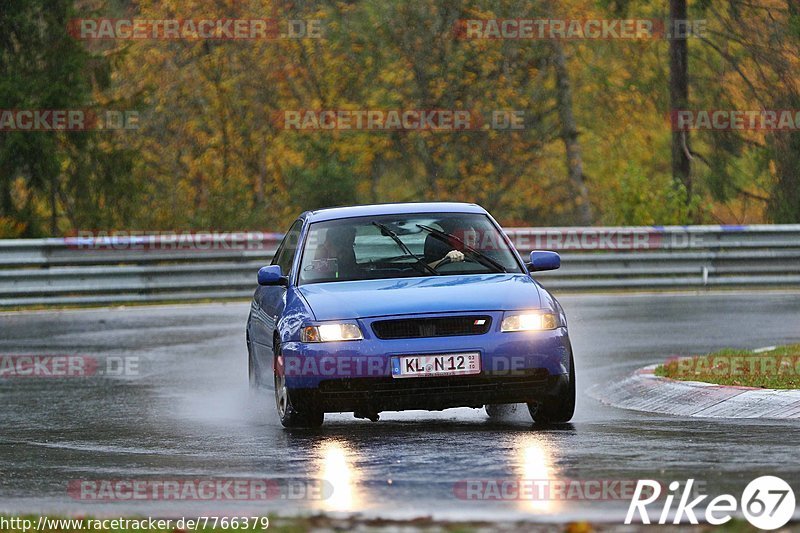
{"x": 335, "y": 466}
{"x": 535, "y": 464}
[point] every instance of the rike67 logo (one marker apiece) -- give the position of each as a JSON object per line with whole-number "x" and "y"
{"x": 767, "y": 503}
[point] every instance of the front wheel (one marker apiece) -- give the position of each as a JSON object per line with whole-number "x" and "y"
{"x": 560, "y": 409}
{"x": 292, "y": 411}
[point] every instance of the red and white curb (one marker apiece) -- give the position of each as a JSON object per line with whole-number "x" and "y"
{"x": 644, "y": 391}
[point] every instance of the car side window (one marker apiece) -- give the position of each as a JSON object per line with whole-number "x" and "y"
{"x": 285, "y": 253}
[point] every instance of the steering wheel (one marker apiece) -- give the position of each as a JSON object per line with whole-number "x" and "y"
{"x": 445, "y": 261}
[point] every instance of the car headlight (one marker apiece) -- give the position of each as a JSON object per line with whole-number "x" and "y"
{"x": 331, "y": 333}
{"x": 529, "y": 322}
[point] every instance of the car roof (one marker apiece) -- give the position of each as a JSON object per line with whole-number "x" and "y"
{"x": 335, "y": 213}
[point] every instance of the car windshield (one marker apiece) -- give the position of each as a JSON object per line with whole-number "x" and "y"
{"x": 401, "y": 246}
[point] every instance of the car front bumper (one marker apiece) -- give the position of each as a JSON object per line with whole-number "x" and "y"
{"x": 516, "y": 367}
{"x": 432, "y": 393}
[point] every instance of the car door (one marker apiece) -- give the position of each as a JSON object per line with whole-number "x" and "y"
{"x": 271, "y": 300}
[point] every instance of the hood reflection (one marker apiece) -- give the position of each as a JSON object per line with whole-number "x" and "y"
{"x": 334, "y": 464}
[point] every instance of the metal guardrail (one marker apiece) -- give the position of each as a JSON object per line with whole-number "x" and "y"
{"x": 197, "y": 266}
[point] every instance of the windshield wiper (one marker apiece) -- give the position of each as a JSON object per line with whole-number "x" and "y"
{"x": 479, "y": 256}
{"x": 387, "y": 232}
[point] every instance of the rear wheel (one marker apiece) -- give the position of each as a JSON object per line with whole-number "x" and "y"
{"x": 294, "y": 411}
{"x": 499, "y": 411}
{"x": 559, "y": 409}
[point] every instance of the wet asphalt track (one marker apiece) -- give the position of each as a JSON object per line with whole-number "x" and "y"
{"x": 188, "y": 414}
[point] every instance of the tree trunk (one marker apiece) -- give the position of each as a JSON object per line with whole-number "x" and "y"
{"x": 54, "y": 206}
{"x": 679, "y": 96}
{"x": 569, "y": 134}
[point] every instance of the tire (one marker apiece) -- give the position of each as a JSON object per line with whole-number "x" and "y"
{"x": 560, "y": 409}
{"x": 293, "y": 412}
{"x": 500, "y": 411}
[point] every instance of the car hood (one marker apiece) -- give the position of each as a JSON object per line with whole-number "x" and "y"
{"x": 440, "y": 294}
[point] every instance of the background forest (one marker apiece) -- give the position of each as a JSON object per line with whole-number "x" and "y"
{"x": 208, "y": 154}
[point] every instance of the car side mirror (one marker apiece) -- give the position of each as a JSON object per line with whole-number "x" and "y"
{"x": 271, "y": 275}
{"x": 542, "y": 260}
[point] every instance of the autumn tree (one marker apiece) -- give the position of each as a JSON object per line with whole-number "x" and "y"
{"x": 47, "y": 177}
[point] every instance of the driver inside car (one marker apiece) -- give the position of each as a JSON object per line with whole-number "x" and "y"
{"x": 338, "y": 246}
{"x": 447, "y": 254}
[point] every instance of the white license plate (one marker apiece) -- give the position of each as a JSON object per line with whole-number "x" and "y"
{"x": 450, "y": 364}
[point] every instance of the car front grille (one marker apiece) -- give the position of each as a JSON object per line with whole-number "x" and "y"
{"x": 414, "y": 328}
{"x": 389, "y": 387}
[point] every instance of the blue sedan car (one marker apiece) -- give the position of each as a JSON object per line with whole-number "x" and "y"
{"x": 407, "y": 306}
